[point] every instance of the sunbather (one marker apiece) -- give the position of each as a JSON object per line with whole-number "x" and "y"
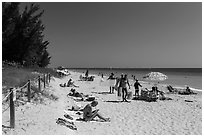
{"x": 89, "y": 115}
{"x": 158, "y": 92}
{"x": 70, "y": 83}
{"x": 171, "y": 89}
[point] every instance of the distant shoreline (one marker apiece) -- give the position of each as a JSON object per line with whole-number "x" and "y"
{"x": 149, "y": 69}
{"x": 142, "y": 81}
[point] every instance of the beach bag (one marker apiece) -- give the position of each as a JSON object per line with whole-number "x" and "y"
{"x": 119, "y": 91}
{"x": 144, "y": 94}
{"x": 129, "y": 95}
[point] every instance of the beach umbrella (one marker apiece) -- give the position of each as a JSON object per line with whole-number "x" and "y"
{"x": 155, "y": 76}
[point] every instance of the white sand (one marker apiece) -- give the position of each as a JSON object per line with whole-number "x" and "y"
{"x": 168, "y": 117}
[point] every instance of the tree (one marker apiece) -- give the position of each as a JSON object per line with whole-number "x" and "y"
{"x": 10, "y": 15}
{"x": 26, "y": 44}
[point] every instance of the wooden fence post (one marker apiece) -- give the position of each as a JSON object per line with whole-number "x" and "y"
{"x": 29, "y": 90}
{"x": 49, "y": 77}
{"x": 39, "y": 86}
{"x": 12, "y": 110}
{"x": 44, "y": 80}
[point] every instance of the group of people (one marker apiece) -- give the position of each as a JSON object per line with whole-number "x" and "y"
{"x": 122, "y": 84}
{"x": 87, "y": 77}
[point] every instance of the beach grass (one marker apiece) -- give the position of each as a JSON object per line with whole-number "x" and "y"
{"x": 13, "y": 76}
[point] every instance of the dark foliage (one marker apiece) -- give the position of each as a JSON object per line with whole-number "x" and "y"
{"x": 22, "y": 36}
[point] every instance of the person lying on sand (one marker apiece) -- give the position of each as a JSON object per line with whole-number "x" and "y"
{"x": 70, "y": 83}
{"x": 75, "y": 93}
{"x": 171, "y": 89}
{"x": 63, "y": 85}
{"x": 186, "y": 91}
{"x": 89, "y": 115}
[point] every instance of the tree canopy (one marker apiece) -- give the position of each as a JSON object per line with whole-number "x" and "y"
{"x": 22, "y": 35}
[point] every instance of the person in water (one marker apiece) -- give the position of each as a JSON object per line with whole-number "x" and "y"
{"x": 89, "y": 114}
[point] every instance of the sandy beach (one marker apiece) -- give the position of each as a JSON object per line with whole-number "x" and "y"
{"x": 180, "y": 116}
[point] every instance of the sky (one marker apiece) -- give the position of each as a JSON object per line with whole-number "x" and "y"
{"x": 123, "y": 35}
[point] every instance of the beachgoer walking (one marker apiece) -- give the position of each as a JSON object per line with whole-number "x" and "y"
{"x": 89, "y": 114}
{"x": 118, "y": 84}
{"x": 124, "y": 82}
{"x": 111, "y": 79}
{"x": 136, "y": 85}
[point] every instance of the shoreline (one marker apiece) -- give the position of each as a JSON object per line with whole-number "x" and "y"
{"x": 142, "y": 81}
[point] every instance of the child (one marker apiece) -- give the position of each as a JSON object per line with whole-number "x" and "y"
{"x": 136, "y": 85}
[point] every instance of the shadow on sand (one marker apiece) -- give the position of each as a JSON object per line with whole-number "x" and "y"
{"x": 116, "y": 101}
{"x": 94, "y": 120}
{"x": 103, "y": 92}
{"x": 3, "y": 126}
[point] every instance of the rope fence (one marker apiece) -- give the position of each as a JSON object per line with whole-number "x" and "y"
{"x": 12, "y": 95}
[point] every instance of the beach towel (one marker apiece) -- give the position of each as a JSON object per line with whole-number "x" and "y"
{"x": 68, "y": 116}
{"x": 66, "y": 123}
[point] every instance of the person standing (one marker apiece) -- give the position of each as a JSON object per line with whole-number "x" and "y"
{"x": 87, "y": 73}
{"x": 118, "y": 85}
{"x": 124, "y": 83}
{"x": 136, "y": 85}
{"x": 111, "y": 79}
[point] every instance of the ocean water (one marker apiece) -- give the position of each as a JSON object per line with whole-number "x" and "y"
{"x": 176, "y": 76}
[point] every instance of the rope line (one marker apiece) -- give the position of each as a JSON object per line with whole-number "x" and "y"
{"x": 23, "y": 86}
{"x": 19, "y": 89}
{"x": 6, "y": 109}
{"x": 6, "y": 96}
{"x": 35, "y": 79}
